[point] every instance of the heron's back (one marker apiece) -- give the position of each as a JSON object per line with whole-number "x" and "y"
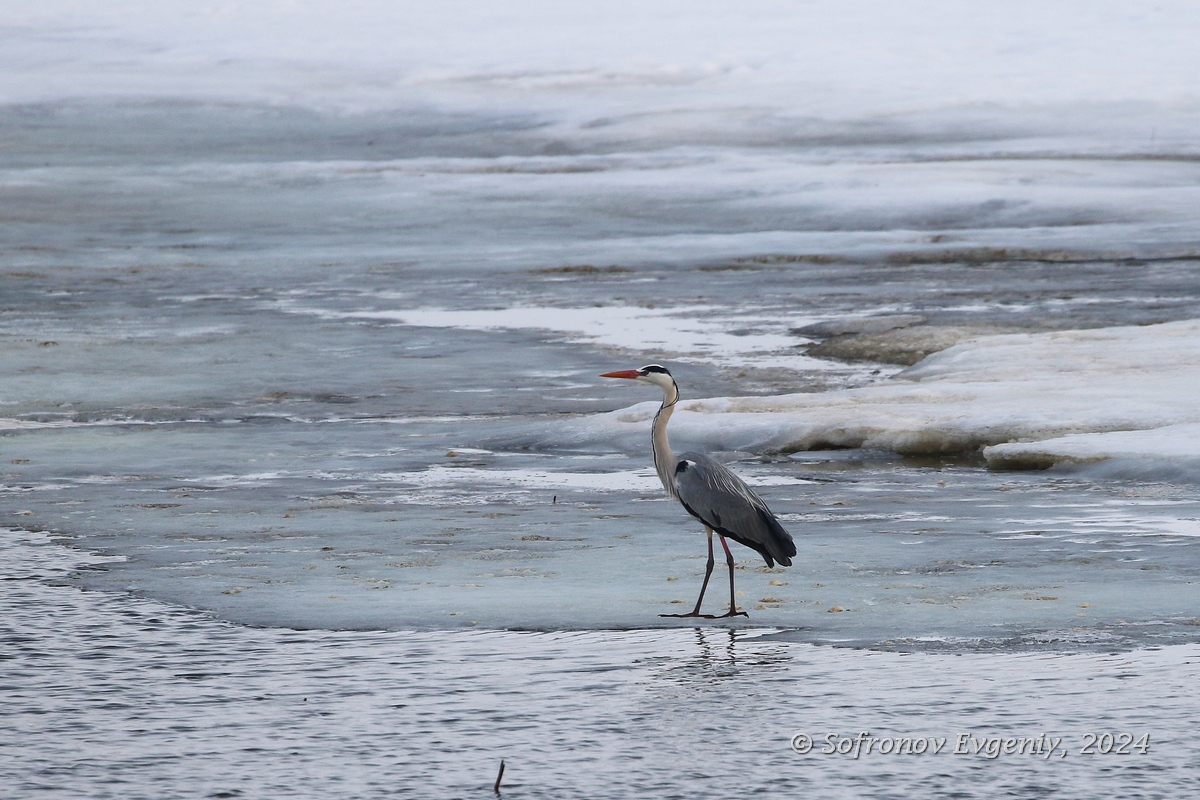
{"x": 723, "y": 501}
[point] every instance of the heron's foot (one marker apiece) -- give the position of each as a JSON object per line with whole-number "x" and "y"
{"x": 690, "y": 615}
{"x": 731, "y": 614}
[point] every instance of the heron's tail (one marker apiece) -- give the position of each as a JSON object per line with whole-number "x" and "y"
{"x": 778, "y": 545}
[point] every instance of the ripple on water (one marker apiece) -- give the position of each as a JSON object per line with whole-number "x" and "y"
{"x": 114, "y": 696}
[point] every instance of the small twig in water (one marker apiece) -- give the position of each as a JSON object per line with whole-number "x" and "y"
{"x": 499, "y": 778}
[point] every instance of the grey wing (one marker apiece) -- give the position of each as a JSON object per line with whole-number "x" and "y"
{"x": 722, "y": 501}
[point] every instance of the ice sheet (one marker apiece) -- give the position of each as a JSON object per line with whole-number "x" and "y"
{"x": 181, "y": 176}
{"x": 632, "y": 133}
{"x": 856, "y": 55}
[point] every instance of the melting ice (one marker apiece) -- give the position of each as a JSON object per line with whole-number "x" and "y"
{"x": 316, "y": 344}
{"x": 303, "y": 308}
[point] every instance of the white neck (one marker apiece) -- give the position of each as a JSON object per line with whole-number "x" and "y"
{"x": 664, "y": 459}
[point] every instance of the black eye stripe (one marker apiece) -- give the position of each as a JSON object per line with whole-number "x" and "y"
{"x": 646, "y": 370}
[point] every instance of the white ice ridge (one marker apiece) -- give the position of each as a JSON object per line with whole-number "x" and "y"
{"x": 1029, "y": 399}
{"x": 687, "y": 333}
{"x": 1171, "y": 452}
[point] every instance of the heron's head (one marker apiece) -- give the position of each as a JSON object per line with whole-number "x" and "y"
{"x": 651, "y": 373}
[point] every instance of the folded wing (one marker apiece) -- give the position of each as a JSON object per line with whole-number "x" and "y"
{"x": 723, "y": 501}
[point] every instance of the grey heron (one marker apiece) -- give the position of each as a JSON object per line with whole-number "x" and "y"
{"x": 711, "y": 493}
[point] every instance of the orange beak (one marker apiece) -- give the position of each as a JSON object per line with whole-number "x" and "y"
{"x": 630, "y": 374}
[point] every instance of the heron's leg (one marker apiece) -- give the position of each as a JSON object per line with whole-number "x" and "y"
{"x": 708, "y": 569}
{"x": 695, "y": 612}
{"x": 733, "y": 612}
